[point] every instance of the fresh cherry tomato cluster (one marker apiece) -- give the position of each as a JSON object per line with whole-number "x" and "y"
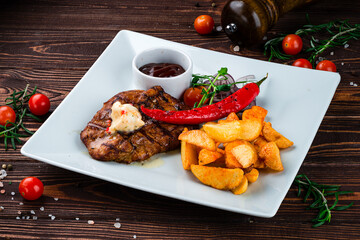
{"x": 39, "y": 105}
{"x": 292, "y": 44}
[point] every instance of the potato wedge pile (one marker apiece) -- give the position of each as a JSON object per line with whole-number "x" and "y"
{"x": 227, "y": 155}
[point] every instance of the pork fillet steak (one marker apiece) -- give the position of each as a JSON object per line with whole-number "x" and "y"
{"x": 154, "y": 137}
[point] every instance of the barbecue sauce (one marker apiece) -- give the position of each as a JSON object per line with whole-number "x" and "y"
{"x": 162, "y": 70}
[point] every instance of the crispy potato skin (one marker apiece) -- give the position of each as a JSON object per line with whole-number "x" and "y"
{"x": 219, "y": 178}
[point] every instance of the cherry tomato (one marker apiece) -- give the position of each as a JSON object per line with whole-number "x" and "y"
{"x": 39, "y": 104}
{"x": 193, "y": 95}
{"x": 31, "y": 188}
{"x": 292, "y": 44}
{"x": 302, "y": 62}
{"x": 7, "y": 114}
{"x": 326, "y": 65}
{"x": 204, "y": 24}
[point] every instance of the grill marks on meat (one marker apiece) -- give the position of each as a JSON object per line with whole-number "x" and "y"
{"x": 154, "y": 137}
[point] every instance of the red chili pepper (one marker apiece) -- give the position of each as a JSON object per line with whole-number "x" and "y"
{"x": 233, "y": 103}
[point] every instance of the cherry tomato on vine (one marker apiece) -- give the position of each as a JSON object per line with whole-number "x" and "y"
{"x": 204, "y": 24}
{"x": 7, "y": 114}
{"x": 31, "y": 188}
{"x": 292, "y": 44}
{"x": 193, "y": 95}
{"x": 39, "y": 104}
{"x": 326, "y": 65}
{"x": 302, "y": 62}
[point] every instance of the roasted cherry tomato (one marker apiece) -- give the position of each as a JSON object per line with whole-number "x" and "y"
{"x": 39, "y": 104}
{"x": 204, "y": 24}
{"x": 326, "y": 65}
{"x": 31, "y": 188}
{"x": 302, "y": 62}
{"x": 292, "y": 44}
{"x": 7, "y": 114}
{"x": 193, "y": 95}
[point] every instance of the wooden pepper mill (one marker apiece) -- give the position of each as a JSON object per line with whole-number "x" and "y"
{"x": 246, "y": 22}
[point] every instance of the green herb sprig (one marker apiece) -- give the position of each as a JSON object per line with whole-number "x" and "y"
{"x": 211, "y": 89}
{"x": 10, "y": 132}
{"x": 319, "y": 192}
{"x": 340, "y": 32}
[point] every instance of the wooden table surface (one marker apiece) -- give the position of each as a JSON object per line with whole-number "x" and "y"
{"x": 52, "y": 44}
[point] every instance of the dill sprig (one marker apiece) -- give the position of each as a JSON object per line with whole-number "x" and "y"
{"x": 319, "y": 192}
{"x": 339, "y": 31}
{"x": 18, "y": 101}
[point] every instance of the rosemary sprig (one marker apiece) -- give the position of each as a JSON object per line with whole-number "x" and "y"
{"x": 340, "y": 32}
{"x": 319, "y": 192}
{"x": 10, "y": 132}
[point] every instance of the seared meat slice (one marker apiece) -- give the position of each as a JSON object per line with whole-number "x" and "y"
{"x": 154, "y": 137}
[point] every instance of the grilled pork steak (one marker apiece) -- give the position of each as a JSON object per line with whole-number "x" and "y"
{"x": 154, "y": 137}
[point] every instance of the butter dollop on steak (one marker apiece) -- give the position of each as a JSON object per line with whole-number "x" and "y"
{"x": 154, "y": 137}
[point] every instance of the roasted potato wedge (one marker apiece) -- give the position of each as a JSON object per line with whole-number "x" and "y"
{"x": 206, "y": 156}
{"x": 245, "y": 153}
{"x": 230, "y": 160}
{"x": 271, "y": 155}
{"x": 232, "y": 116}
{"x": 256, "y": 112}
{"x": 253, "y": 175}
{"x": 229, "y": 131}
{"x": 271, "y": 135}
{"x": 219, "y": 178}
{"x": 242, "y": 187}
{"x": 189, "y": 155}
{"x": 259, "y": 142}
{"x": 198, "y": 138}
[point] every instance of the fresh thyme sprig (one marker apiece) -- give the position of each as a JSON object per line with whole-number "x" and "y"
{"x": 10, "y": 132}
{"x": 210, "y": 88}
{"x": 319, "y": 193}
{"x": 340, "y": 33}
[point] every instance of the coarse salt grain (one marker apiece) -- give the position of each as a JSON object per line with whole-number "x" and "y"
{"x": 236, "y": 48}
{"x": 77, "y": 219}
{"x": 21, "y": 203}
{"x": 265, "y": 38}
{"x": 1, "y": 184}
{"x": 219, "y": 28}
{"x": 91, "y": 222}
{"x": 342, "y": 64}
{"x": 355, "y": 85}
{"x": 134, "y": 236}
{"x": 27, "y": 217}
{"x": 332, "y": 53}
{"x": 56, "y": 198}
{"x": 18, "y": 217}
{"x": 117, "y": 225}
{"x": 3, "y": 174}
{"x": 32, "y": 212}
{"x": 346, "y": 45}
{"x": 117, "y": 219}
{"x": 52, "y": 217}
{"x": 12, "y": 198}
{"x": 351, "y": 83}
{"x": 42, "y": 209}
{"x": 13, "y": 193}
{"x": 34, "y": 217}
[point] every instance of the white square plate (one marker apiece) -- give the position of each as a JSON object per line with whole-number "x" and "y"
{"x": 296, "y": 98}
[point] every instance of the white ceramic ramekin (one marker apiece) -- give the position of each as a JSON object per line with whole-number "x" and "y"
{"x": 175, "y": 86}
